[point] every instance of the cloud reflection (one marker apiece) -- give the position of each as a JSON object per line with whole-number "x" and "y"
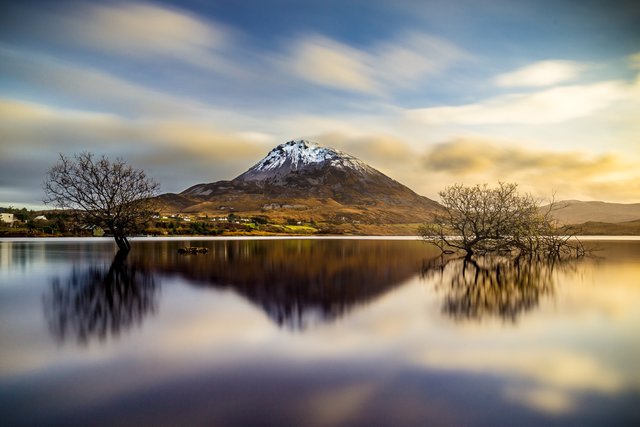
{"x": 391, "y": 356}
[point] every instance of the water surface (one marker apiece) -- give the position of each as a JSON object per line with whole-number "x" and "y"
{"x": 314, "y": 332}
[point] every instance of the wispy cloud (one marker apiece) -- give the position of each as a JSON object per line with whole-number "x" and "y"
{"x": 555, "y": 373}
{"x": 207, "y": 152}
{"x": 135, "y": 31}
{"x": 329, "y": 63}
{"x": 400, "y": 62}
{"x": 211, "y": 93}
{"x": 147, "y": 29}
{"x": 554, "y": 105}
{"x": 91, "y": 88}
{"x": 542, "y": 73}
{"x": 383, "y": 150}
{"x": 572, "y": 174}
{"x": 473, "y": 155}
{"x": 634, "y": 61}
{"x": 413, "y": 56}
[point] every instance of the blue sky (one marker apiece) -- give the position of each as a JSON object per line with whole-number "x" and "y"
{"x": 543, "y": 93}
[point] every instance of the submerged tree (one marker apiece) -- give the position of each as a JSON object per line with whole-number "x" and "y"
{"x": 102, "y": 193}
{"x": 481, "y": 220}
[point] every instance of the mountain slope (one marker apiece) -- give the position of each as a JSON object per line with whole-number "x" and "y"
{"x": 596, "y": 228}
{"x": 305, "y": 179}
{"x": 578, "y": 212}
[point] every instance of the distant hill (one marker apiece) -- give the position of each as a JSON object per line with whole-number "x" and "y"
{"x": 303, "y": 180}
{"x": 579, "y": 212}
{"x": 593, "y": 228}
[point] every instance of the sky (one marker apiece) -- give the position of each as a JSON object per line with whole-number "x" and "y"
{"x": 432, "y": 93}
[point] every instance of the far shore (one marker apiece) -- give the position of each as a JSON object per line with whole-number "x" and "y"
{"x": 267, "y": 237}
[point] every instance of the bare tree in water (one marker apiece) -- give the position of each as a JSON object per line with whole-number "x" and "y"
{"x": 481, "y": 220}
{"x": 102, "y": 193}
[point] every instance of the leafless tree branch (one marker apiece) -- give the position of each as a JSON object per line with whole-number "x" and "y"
{"x": 481, "y": 220}
{"x": 101, "y": 192}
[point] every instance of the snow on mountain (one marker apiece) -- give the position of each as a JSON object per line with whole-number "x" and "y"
{"x": 298, "y": 155}
{"x": 303, "y": 179}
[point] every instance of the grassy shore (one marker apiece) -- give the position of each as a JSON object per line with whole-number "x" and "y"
{"x": 630, "y": 228}
{"x": 249, "y": 230}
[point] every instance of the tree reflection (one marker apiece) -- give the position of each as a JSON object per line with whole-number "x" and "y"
{"x": 492, "y": 286}
{"x": 100, "y": 301}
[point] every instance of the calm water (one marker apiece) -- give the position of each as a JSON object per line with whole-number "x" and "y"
{"x": 314, "y": 333}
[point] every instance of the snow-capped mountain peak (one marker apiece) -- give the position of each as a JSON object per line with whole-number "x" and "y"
{"x": 298, "y": 155}
{"x": 308, "y": 179}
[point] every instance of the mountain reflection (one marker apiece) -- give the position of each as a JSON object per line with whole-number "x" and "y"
{"x": 100, "y": 301}
{"x": 302, "y": 282}
{"x": 297, "y": 283}
{"x": 485, "y": 287}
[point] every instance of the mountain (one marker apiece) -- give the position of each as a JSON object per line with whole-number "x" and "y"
{"x": 578, "y": 212}
{"x": 596, "y": 228}
{"x": 305, "y": 180}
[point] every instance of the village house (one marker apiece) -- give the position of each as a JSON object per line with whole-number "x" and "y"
{"x": 7, "y": 218}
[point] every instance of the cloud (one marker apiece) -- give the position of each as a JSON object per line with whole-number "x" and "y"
{"x": 542, "y": 73}
{"x": 547, "y": 400}
{"x": 558, "y": 368}
{"x": 376, "y": 149}
{"x": 134, "y": 30}
{"x": 401, "y": 62}
{"x": 414, "y": 56}
{"x": 554, "y": 105}
{"x": 43, "y": 78}
{"x": 623, "y": 190}
{"x": 200, "y": 151}
{"x": 31, "y": 135}
{"x": 634, "y": 61}
{"x": 549, "y": 378}
{"x": 345, "y": 401}
{"x": 573, "y": 174}
{"x": 328, "y": 63}
{"x": 147, "y": 29}
{"x": 473, "y": 155}
{"x": 93, "y": 89}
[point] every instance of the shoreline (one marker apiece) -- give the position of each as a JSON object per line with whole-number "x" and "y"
{"x": 269, "y": 237}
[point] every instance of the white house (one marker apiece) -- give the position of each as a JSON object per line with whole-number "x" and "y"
{"x": 7, "y": 217}
{"x": 40, "y": 218}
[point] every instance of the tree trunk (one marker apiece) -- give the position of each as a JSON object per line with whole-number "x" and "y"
{"x": 121, "y": 240}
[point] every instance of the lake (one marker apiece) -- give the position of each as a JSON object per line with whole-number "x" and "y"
{"x": 314, "y": 332}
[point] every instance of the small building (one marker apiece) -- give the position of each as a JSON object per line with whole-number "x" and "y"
{"x": 7, "y": 218}
{"x": 40, "y": 218}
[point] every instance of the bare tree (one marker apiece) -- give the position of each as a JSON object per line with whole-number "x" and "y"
{"x": 103, "y": 193}
{"x": 481, "y": 220}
